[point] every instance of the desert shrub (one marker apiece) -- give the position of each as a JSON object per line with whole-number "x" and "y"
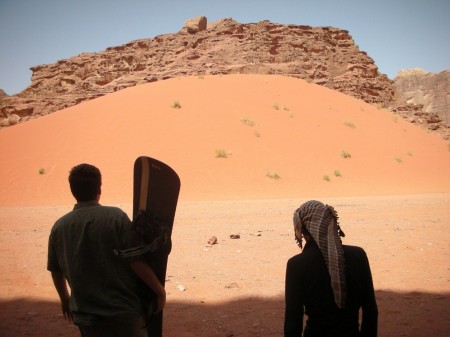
{"x": 41, "y": 171}
{"x": 345, "y": 154}
{"x": 276, "y": 106}
{"x": 326, "y": 177}
{"x": 273, "y": 175}
{"x": 398, "y": 159}
{"x": 248, "y": 121}
{"x": 221, "y": 153}
{"x": 350, "y": 124}
{"x": 379, "y": 106}
{"x": 176, "y": 105}
{"x": 337, "y": 173}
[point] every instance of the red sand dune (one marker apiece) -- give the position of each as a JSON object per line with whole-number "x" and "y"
{"x": 301, "y": 141}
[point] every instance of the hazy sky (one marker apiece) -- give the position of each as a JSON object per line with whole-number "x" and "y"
{"x": 397, "y": 34}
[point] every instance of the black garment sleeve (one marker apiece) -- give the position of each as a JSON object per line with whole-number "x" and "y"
{"x": 369, "y": 322}
{"x": 293, "y": 318}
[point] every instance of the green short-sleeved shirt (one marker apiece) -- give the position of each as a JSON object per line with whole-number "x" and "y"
{"x": 81, "y": 244}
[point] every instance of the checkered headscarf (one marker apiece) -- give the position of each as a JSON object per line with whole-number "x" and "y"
{"x": 321, "y": 222}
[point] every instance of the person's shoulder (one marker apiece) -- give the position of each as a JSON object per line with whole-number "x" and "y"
{"x": 112, "y": 209}
{"x": 295, "y": 262}
{"x": 353, "y": 249}
{"x": 295, "y": 258}
{"x": 113, "y": 212}
{"x": 63, "y": 220}
{"x": 305, "y": 256}
{"x": 354, "y": 252}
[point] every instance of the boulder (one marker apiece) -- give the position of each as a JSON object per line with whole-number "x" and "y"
{"x": 195, "y": 25}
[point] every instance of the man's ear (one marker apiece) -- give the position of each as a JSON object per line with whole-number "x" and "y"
{"x": 99, "y": 193}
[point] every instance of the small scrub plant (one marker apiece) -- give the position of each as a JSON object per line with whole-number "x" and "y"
{"x": 337, "y": 173}
{"x": 350, "y": 124}
{"x": 398, "y": 159}
{"x": 248, "y": 121}
{"x": 345, "y": 154}
{"x": 273, "y": 175}
{"x": 201, "y": 77}
{"x": 326, "y": 177}
{"x": 379, "y": 106}
{"x": 409, "y": 153}
{"x": 41, "y": 171}
{"x": 176, "y": 105}
{"x": 286, "y": 108}
{"x": 257, "y": 133}
{"x": 221, "y": 153}
{"x": 276, "y": 106}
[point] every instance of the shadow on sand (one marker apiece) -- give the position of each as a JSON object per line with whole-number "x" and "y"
{"x": 410, "y": 314}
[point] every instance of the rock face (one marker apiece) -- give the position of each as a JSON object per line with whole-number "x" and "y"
{"x": 196, "y": 25}
{"x": 432, "y": 91}
{"x": 323, "y": 55}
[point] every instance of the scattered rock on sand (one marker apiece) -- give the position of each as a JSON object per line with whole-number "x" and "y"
{"x": 212, "y": 240}
{"x": 232, "y": 285}
{"x": 181, "y": 287}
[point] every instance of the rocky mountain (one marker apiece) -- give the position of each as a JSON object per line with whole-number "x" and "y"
{"x": 426, "y": 89}
{"x": 323, "y": 55}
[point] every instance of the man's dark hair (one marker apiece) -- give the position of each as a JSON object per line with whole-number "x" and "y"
{"x": 85, "y": 182}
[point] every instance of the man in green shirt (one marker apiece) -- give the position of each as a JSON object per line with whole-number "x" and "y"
{"x": 103, "y": 299}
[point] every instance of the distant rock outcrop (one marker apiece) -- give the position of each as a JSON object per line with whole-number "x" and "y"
{"x": 428, "y": 90}
{"x": 196, "y": 25}
{"x": 323, "y": 55}
{"x": 2, "y": 95}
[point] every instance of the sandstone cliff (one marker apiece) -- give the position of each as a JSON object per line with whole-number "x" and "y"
{"x": 430, "y": 90}
{"x": 323, "y": 55}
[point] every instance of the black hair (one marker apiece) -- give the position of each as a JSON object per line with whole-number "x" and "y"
{"x": 85, "y": 182}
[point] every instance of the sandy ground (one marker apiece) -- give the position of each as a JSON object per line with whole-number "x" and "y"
{"x": 235, "y": 288}
{"x": 392, "y": 193}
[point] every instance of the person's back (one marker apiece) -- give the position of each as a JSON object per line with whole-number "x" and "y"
{"x": 83, "y": 242}
{"x": 332, "y": 308}
{"x": 103, "y": 298}
{"x": 308, "y": 282}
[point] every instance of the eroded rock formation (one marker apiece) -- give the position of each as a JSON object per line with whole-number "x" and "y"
{"x": 430, "y": 90}
{"x": 324, "y": 55}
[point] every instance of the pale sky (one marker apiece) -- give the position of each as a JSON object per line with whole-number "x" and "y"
{"x": 397, "y": 34}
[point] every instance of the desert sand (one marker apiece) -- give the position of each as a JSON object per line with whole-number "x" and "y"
{"x": 392, "y": 194}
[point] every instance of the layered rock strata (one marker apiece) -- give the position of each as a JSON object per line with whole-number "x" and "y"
{"x": 323, "y": 55}
{"x": 429, "y": 90}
